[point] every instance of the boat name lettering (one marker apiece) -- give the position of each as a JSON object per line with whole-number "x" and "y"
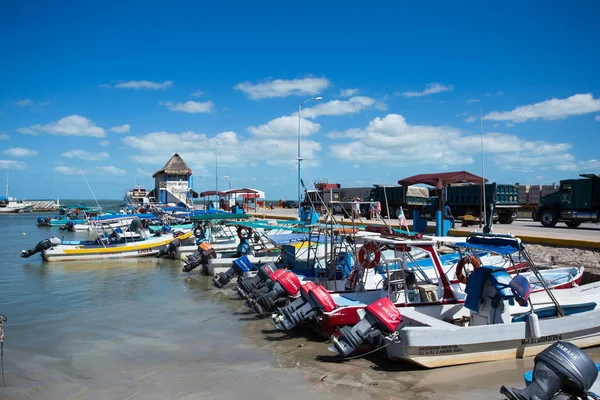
{"x": 430, "y": 350}
{"x": 389, "y": 313}
{"x": 140, "y": 251}
{"x": 541, "y": 339}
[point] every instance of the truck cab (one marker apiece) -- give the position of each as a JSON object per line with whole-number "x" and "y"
{"x": 575, "y": 201}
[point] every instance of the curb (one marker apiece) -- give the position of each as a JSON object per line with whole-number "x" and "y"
{"x": 582, "y": 244}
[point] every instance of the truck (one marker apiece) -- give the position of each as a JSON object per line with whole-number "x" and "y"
{"x": 465, "y": 199}
{"x": 394, "y": 197}
{"x": 575, "y": 201}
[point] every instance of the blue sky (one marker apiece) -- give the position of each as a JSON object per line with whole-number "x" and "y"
{"x": 112, "y": 89}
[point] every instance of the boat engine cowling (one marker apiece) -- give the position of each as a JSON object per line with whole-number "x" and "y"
{"x": 170, "y": 250}
{"x": 41, "y": 246}
{"x": 201, "y": 256}
{"x": 563, "y": 369}
{"x": 238, "y": 267}
{"x": 286, "y": 285}
{"x": 245, "y": 286}
{"x": 381, "y": 317}
{"x": 266, "y": 288}
{"x": 312, "y": 301}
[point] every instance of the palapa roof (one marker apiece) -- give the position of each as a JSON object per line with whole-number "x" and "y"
{"x": 175, "y": 166}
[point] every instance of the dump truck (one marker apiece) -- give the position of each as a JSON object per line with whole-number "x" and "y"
{"x": 465, "y": 199}
{"x": 394, "y": 197}
{"x": 575, "y": 201}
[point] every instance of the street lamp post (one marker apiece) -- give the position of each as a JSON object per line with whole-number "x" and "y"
{"x": 299, "y": 158}
{"x": 217, "y": 169}
{"x": 228, "y": 180}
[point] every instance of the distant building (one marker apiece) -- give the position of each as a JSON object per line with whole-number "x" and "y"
{"x": 173, "y": 183}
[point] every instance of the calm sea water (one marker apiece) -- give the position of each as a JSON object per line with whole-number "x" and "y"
{"x": 115, "y": 329}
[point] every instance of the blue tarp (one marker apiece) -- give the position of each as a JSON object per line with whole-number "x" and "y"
{"x": 504, "y": 250}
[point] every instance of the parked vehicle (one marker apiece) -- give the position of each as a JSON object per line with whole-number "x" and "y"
{"x": 465, "y": 199}
{"x": 576, "y": 201}
{"x": 394, "y": 197}
{"x": 290, "y": 204}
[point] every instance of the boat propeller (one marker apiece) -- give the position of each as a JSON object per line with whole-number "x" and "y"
{"x": 381, "y": 317}
{"x": 41, "y": 246}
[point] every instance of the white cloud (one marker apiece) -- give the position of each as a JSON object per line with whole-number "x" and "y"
{"x": 283, "y": 88}
{"x": 431, "y": 88}
{"x": 104, "y": 143}
{"x": 140, "y": 85}
{"x": 578, "y": 104}
{"x": 190, "y": 106}
{"x": 473, "y": 101}
{"x": 509, "y": 124}
{"x": 4, "y": 136}
{"x": 392, "y": 140}
{"x": 85, "y": 155}
{"x": 19, "y": 152}
{"x": 110, "y": 169}
{"x": 61, "y": 169}
{"x": 597, "y": 117}
{"x": 286, "y": 126}
{"x": 341, "y": 107}
{"x": 348, "y": 92}
{"x": 197, "y": 93}
{"x": 11, "y": 164}
{"x": 24, "y": 102}
{"x": 498, "y": 93}
{"x": 121, "y": 129}
{"x": 73, "y": 125}
{"x": 471, "y": 118}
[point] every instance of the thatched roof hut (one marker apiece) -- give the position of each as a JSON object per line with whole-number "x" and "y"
{"x": 175, "y": 166}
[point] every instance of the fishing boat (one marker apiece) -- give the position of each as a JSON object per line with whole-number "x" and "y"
{"x": 119, "y": 244}
{"x": 500, "y": 319}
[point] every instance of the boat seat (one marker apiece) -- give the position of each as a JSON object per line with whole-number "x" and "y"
{"x": 477, "y": 280}
{"x": 552, "y": 311}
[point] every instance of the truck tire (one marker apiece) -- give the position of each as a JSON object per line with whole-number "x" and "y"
{"x": 548, "y": 217}
{"x": 573, "y": 224}
{"x": 535, "y": 215}
{"x": 505, "y": 218}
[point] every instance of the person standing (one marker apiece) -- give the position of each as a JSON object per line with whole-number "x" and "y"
{"x": 356, "y": 208}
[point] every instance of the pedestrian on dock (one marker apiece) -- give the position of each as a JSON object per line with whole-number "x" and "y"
{"x": 448, "y": 214}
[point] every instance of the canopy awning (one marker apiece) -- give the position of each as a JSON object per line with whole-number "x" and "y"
{"x": 442, "y": 179}
{"x": 243, "y": 191}
{"x": 213, "y": 193}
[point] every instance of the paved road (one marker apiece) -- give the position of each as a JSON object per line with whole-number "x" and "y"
{"x": 521, "y": 227}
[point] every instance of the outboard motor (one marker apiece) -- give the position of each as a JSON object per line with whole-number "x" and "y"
{"x": 170, "y": 250}
{"x": 561, "y": 371}
{"x": 201, "y": 256}
{"x": 247, "y": 285}
{"x": 41, "y": 246}
{"x": 381, "y": 318}
{"x": 255, "y": 293}
{"x": 312, "y": 301}
{"x": 69, "y": 226}
{"x": 286, "y": 285}
{"x": 41, "y": 221}
{"x": 239, "y": 266}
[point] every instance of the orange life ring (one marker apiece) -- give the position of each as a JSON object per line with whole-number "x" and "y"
{"x": 369, "y": 255}
{"x": 244, "y": 232}
{"x": 460, "y": 267}
{"x": 345, "y": 231}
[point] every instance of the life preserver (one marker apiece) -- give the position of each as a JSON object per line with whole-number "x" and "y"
{"x": 460, "y": 267}
{"x": 244, "y": 232}
{"x": 198, "y": 231}
{"x": 345, "y": 231}
{"x": 369, "y": 255}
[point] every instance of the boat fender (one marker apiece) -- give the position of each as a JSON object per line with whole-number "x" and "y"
{"x": 534, "y": 325}
{"x": 460, "y": 267}
{"x": 369, "y": 255}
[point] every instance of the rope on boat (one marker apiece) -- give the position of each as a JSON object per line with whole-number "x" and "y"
{"x": 3, "y": 319}
{"x": 394, "y": 338}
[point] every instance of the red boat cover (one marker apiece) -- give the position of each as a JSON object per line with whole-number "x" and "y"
{"x": 386, "y": 312}
{"x": 290, "y": 283}
{"x": 324, "y": 298}
{"x": 442, "y": 179}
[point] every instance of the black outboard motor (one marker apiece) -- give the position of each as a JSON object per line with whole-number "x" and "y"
{"x": 41, "y": 246}
{"x": 287, "y": 285}
{"x": 69, "y": 226}
{"x": 41, "y": 221}
{"x": 312, "y": 301}
{"x": 170, "y": 250}
{"x": 381, "y": 318}
{"x": 561, "y": 371}
{"x": 238, "y": 267}
{"x": 266, "y": 288}
{"x": 204, "y": 253}
{"x": 246, "y": 286}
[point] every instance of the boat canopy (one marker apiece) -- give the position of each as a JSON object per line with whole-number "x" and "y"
{"x": 290, "y": 238}
{"x": 265, "y": 225}
{"x": 442, "y": 179}
{"x": 495, "y": 244}
{"x": 218, "y": 216}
